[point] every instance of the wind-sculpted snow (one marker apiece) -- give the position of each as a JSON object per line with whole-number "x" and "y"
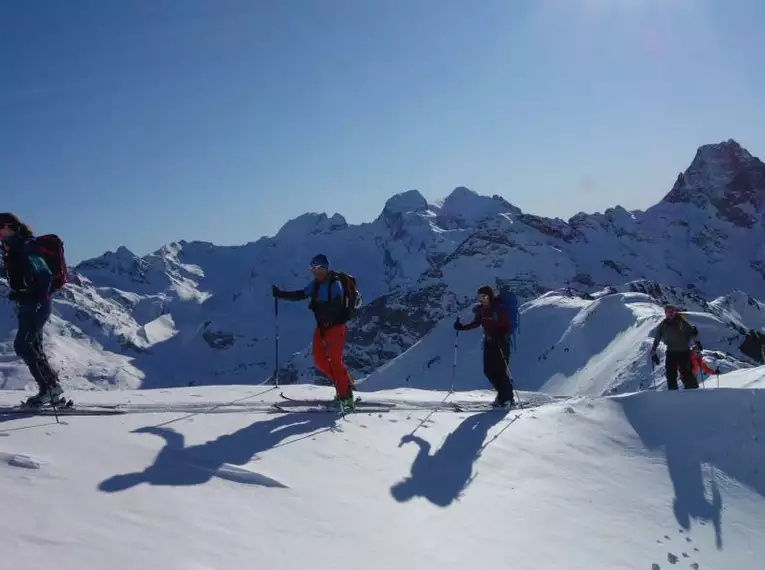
{"x": 201, "y": 478}
{"x": 197, "y": 313}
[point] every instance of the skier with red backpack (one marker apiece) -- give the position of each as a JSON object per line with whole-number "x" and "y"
{"x": 35, "y": 269}
{"x": 334, "y": 299}
{"x": 497, "y": 317}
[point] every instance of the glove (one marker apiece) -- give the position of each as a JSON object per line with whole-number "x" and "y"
{"x": 458, "y": 325}
{"x": 654, "y": 358}
{"x": 275, "y": 291}
{"x": 697, "y": 346}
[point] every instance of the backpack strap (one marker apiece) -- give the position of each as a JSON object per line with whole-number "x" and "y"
{"x": 331, "y": 279}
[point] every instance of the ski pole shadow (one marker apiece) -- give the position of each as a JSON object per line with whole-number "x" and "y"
{"x": 178, "y": 465}
{"x": 17, "y": 416}
{"x": 442, "y": 477}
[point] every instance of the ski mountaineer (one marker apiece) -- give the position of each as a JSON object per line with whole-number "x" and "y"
{"x": 30, "y": 280}
{"x": 491, "y": 314}
{"x": 677, "y": 334}
{"x": 326, "y": 294}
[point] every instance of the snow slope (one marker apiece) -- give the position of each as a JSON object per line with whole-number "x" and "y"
{"x": 572, "y": 344}
{"x": 650, "y": 480}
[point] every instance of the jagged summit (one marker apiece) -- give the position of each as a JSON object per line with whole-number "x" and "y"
{"x": 404, "y": 202}
{"x": 729, "y": 150}
{"x": 121, "y": 258}
{"x": 312, "y": 223}
{"x": 727, "y": 177}
{"x": 465, "y": 207}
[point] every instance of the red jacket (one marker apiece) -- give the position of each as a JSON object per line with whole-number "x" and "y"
{"x": 698, "y": 362}
{"x": 494, "y": 326}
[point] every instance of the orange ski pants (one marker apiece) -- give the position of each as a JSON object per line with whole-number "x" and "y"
{"x": 328, "y": 349}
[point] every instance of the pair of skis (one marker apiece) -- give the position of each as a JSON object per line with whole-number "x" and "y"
{"x": 67, "y": 408}
{"x": 320, "y": 405}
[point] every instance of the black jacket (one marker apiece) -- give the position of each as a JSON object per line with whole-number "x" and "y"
{"x": 676, "y": 333}
{"x": 327, "y": 309}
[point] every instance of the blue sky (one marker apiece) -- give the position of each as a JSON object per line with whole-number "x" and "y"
{"x": 138, "y": 123}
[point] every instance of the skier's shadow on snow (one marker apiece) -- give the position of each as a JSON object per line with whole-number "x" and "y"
{"x": 703, "y": 432}
{"x": 178, "y": 465}
{"x": 443, "y": 476}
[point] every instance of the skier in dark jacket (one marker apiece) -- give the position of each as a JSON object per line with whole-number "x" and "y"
{"x": 677, "y": 334}
{"x": 29, "y": 279}
{"x": 492, "y": 316}
{"x": 331, "y": 331}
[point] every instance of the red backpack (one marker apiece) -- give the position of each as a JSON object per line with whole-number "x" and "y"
{"x": 52, "y": 249}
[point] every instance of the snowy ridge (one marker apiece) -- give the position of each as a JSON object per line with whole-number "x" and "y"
{"x": 648, "y": 480}
{"x": 569, "y": 344}
{"x": 196, "y": 313}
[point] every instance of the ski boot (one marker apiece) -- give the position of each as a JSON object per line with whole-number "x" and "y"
{"x": 347, "y": 404}
{"x": 507, "y": 404}
{"x": 49, "y": 395}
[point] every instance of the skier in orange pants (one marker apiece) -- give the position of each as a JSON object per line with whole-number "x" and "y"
{"x": 328, "y": 345}
{"x": 333, "y": 298}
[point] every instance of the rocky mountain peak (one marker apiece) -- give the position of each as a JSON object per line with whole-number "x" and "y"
{"x": 729, "y": 178}
{"x": 403, "y": 203}
{"x": 311, "y": 223}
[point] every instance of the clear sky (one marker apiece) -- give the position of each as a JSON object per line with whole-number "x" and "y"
{"x": 142, "y": 122}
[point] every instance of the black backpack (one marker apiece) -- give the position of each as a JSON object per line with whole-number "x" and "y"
{"x": 351, "y": 297}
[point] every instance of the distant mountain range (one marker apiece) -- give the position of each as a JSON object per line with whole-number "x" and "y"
{"x": 197, "y": 313}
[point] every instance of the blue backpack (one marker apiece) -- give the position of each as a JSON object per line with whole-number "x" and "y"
{"x": 509, "y": 303}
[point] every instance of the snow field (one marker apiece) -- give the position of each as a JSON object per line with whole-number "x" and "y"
{"x": 649, "y": 480}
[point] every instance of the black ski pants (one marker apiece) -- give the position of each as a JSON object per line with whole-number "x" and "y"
{"x": 680, "y": 360}
{"x": 495, "y": 363}
{"x": 29, "y": 341}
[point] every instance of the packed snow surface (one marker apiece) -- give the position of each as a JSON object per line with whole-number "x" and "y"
{"x": 214, "y": 478}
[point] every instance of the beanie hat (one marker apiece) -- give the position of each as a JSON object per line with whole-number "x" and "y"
{"x": 8, "y": 219}
{"x": 486, "y": 290}
{"x": 320, "y": 260}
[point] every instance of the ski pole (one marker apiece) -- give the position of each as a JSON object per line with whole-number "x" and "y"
{"x": 454, "y": 365}
{"x": 506, "y": 360}
{"x": 276, "y": 327}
